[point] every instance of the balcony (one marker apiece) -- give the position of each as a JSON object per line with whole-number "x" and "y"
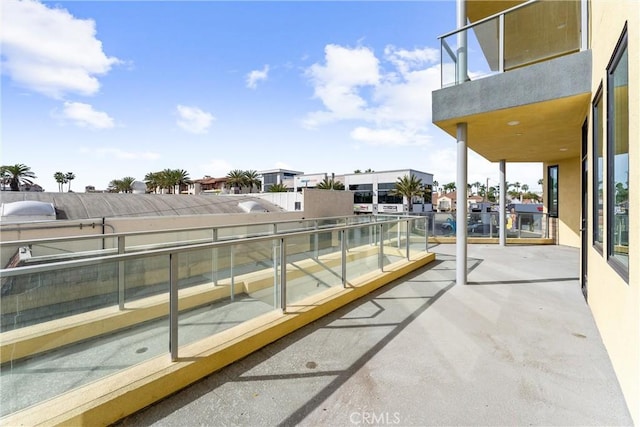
{"x": 517, "y": 346}
{"x": 97, "y": 327}
{"x": 520, "y": 79}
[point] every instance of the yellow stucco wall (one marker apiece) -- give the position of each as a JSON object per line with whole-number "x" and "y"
{"x": 614, "y": 302}
{"x": 569, "y": 201}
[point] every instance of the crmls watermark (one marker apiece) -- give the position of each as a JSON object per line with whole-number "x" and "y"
{"x": 383, "y": 418}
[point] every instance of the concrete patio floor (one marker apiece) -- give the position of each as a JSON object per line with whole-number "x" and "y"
{"x": 516, "y": 346}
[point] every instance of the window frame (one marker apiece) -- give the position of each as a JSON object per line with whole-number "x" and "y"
{"x": 620, "y": 49}
{"x": 598, "y": 211}
{"x": 553, "y": 209}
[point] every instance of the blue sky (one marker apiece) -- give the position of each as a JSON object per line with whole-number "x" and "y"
{"x": 108, "y": 89}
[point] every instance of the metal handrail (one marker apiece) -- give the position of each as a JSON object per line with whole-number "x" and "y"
{"x": 175, "y": 230}
{"x": 488, "y": 18}
{"x": 17, "y": 271}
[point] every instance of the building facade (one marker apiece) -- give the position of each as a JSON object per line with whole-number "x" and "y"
{"x": 552, "y": 82}
{"x": 373, "y": 191}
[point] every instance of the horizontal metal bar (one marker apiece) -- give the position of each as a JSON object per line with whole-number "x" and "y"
{"x": 489, "y": 18}
{"x": 17, "y": 271}
{"x": 172, "y": 230}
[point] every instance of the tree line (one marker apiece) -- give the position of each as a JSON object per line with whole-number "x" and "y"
{"x": 515, "y": 190}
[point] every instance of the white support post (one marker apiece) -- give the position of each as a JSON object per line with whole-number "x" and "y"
{"x": 461, "y": 206}
{"x": 461, "y": 59}
{"x": 503, "y": 203}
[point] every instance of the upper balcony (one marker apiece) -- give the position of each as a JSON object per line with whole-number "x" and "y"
{"x": 520, "y": 77}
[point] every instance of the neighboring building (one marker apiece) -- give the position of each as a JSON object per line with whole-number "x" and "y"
{"x": 277, "y": 176}
{"x": 446, "y": 202}
{"x": 312, "y": 180}
{"x": 373, "y": 191}
{"x": 23, "y": 187}
{"x": 208, "y": 185}
{"x": 559, "y": 89}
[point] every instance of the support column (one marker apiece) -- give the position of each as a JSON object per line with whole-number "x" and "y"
{"x": 503, "y": 203}
{"x": 461, "y": 60}
{"x": 461, "y": 206}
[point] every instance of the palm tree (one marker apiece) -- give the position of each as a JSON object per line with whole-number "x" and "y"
{"x": 179, "y": 178}
{"x": 236, "y": 180}
{"x": 153, "y": 181}
{"x": 124, "y": 185}
{"x": 60, "y": 179}
{"x": 278, "y": 188}
{"x": 436, "y": 184}
{"x": 330, "y": 184}
{"x": 17, "y": 174}
{"x": 449, "y": 187}
{"x": 357, "y": 171}
{"x": 69, "y": 176}
{"x": 408, "y": 187}
{"x": 369, "y": 170}
{"x": 477, "y": 186}
{"x": 252, "y": 180}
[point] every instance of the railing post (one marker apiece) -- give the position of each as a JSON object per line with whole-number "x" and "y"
{"x": 426, "y": 233}
{"x": 283, "y": 275}
{"x": 343, "y": 250}
{"x": 173, "y": 306}
{"x": 519, "y": 221}
{"x": 381, "y": 249}
{"x": 501, "y": 43}
{"x": 121, "y": 275}
{"x": 214, "y": 257}
{"x": 276, "y": 293}
{"x": 232, "y": 290}
{"x": 315, "y": 239}
{"x": 408, "y": 239}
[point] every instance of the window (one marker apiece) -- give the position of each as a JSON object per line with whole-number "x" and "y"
{"x": 363, "y": 197}
{"x": 552, "y": 190}
{"x": 618, "y": 159}
{"x": 385, "y": 197}
{"x": 598, "y": 173}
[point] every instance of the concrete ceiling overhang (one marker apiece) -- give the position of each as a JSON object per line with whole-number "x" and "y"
{"x": 539, "y": 132}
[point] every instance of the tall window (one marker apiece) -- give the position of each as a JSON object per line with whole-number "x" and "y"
{"x": 598, "y": 172}
{"x": 552, "y": 190}
{"x": 618, "y": 159}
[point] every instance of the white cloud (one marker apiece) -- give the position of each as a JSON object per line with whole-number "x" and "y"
{"x": 193, "y": 119}
{"x": 121, "y": 154}
{"x": 84, "y": 115}
{"x": 392, "y": 95}
{"x": 216, "y": 168}
{"x": 49, "y": 51}
{"x": 391, "y": 137}
{"x": 337, "y": 83}
{"x": 257, "y": 75}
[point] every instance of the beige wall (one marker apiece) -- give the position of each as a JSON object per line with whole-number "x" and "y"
{"x": 614, "y": 302}
{"x": 569, "y": 201}
{"x": 325, "y": 203}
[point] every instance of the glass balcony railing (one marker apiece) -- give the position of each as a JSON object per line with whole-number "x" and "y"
{"x": 531, "y": 32}
{"x": 114, "y": 304}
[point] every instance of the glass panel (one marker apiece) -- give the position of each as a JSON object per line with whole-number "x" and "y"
{"x": 33, "y": 298}
{"x": 393, "y": 235}
{"x": 42, "y": 298}
{"x": 362, "y": 251}
{"x": 308, "y": 274}
{"x": 145, "y": 278}
{"x": 417, "y": 237}
{"x": 598, "y": 171}
{"x": 618, "y": 152}
{"x": 541, "y": 31}
{"x": 209, "y": 306}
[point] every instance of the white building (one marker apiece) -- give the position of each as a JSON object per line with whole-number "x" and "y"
{"x": 372, "y": 191}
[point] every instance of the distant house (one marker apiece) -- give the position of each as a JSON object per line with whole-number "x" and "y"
{"x": 446, "y": 202}
{"x": 208, "y": 185}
